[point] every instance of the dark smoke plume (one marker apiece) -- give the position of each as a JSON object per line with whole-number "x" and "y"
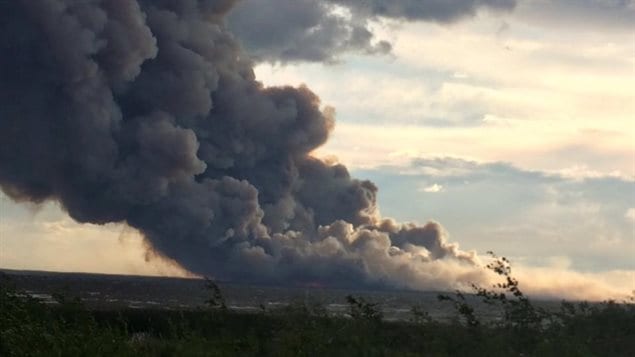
{"x": 314, "y": 30}
{"x": 148, "y": 113}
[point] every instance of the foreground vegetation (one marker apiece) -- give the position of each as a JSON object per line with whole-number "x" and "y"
{"x": 29, "y": 327}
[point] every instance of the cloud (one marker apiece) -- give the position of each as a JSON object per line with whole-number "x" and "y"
{"x": 435, "y": 188}
{"x": 425, "y": 10}
{"x": 324, "y": 30}
{"x": 556, "y": 99}
{"x": 301, "y": 30}
{"x": 586, "y": 15}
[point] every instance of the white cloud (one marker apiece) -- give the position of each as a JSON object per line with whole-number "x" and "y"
{"x": 630, "y": 214}
{"x": 540, "y": 97}
{"x": 559, "y": 262}
{"x": 435, "y": 188}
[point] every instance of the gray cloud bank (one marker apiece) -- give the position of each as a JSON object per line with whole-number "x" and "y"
{"x": 323, "y": 30}
{"x": 148, "y": 113}
{"x": 594, "y": 15}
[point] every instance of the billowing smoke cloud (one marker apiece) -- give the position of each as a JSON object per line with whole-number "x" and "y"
{"x": 148, "y": 113}
{"x": 323, "y": 30}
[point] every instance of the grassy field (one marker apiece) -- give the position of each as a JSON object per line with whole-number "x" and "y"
{"x": 29, "y": 327}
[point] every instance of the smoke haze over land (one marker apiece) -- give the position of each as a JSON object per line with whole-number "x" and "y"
{"x": 148, "y": 113}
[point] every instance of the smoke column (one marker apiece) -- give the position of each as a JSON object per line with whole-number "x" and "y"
{"x": 148, "y": 113}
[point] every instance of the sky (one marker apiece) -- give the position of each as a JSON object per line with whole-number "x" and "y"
{"x": 511, "y": 126}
